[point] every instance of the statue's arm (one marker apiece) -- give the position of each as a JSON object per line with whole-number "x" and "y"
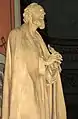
{"x": 7, "y": 83}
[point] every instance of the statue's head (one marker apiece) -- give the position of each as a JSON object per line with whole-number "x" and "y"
{"x": 34, "y": 14}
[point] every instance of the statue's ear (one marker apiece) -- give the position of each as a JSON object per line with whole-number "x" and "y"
{"x": 27, "y": 17}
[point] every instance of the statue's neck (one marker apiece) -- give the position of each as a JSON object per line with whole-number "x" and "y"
{"x": 30, "y": 29}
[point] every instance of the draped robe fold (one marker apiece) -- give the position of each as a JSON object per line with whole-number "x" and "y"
{"x": 26, "y": 94}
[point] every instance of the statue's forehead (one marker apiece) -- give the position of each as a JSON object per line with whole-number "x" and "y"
{"x": 38, "y": 8}
{"x": 39, "y": 11}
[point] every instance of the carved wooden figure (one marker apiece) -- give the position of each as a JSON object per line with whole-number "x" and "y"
{"x": 32, "y": 86}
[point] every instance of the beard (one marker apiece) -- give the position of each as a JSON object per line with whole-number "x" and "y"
{"x": 40, "y": 24}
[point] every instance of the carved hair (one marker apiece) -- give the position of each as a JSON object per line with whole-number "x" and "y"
{"x": 28, "y": 11}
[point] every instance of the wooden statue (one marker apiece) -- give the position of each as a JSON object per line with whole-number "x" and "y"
{"x": 32, "y": 85}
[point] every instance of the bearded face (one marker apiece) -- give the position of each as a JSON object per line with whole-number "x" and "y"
{"x": 38, "y": 18}
{"x": 35, "y": 16}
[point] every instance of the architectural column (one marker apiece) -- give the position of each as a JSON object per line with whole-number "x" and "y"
{"x": 17, "y": 13}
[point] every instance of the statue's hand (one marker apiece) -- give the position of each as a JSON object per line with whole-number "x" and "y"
{"x": 54, "y": 57}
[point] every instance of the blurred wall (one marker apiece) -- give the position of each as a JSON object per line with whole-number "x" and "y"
{"x": 62, "y": 17}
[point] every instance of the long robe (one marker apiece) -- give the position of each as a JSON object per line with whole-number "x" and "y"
{"x": 28, "y": 93}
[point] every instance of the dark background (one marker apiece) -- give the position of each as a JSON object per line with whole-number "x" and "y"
{"x": 61, "y": 32}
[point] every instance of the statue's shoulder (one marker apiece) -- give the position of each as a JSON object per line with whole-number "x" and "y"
{"x": 15, "y": 32}
{"x": 14, "y": 37}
